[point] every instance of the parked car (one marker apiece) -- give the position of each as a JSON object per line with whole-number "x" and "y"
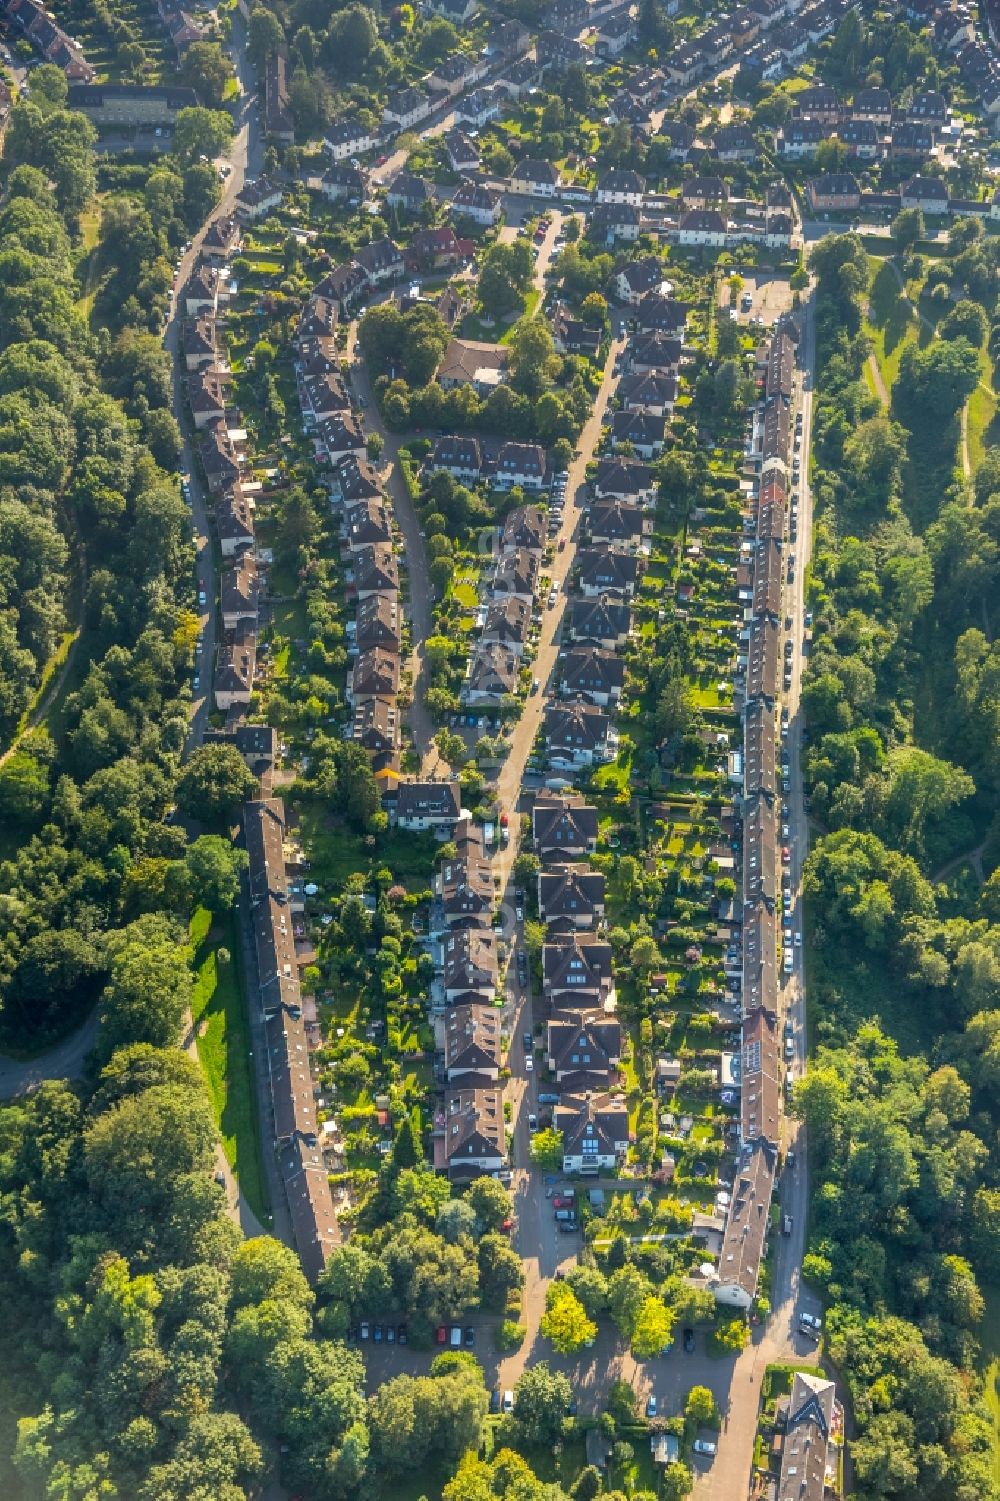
{"x": 377, "y": 1334}
{"x": 495, "y": 1400}
{"x": 401, "y": 1335}
{"x": 364, "y": 1331}
{"x": 651, "y": 1407}
{"x": 704, "y": 1446}
{"x": 508, "y": 1402}
{"x": 532, "y": 1123}
{"x": 811, "y": 1324}
{"x": 528, "y": 1041}
{"x": 442, "y": 1334}
{"x": 688, "y": 1341}
{"x": 470, "y": 1337}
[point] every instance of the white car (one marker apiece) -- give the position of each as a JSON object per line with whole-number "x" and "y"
{"x": 529, "y": 1065}
{"x": 202, "y": 597}
{"x": 704, "y": 1446}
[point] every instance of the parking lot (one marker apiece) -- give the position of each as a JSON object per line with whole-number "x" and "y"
{"x": 769, "y": 296}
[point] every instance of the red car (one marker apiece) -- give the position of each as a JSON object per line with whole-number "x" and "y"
{"x": 507, "y": 1226}
{"x": 442, "y": 1335}
{"x": 560, "y": 1201}
{"x": 786, "y": 855}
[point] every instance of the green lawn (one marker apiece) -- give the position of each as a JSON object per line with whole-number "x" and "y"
{"x": 223, "y": 1042}
{"x": 991, "y": 1368}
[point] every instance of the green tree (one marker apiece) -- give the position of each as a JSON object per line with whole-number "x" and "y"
{"x": 213, "y": 867}
{"x": 547, "y": 1149}
{"x": 541, "y": 1397}
{"x": 214, "y": 782}
{"x": 565, "y": 1320}
{"x": 208, "y": 70}
{"x": 907, "y": 228}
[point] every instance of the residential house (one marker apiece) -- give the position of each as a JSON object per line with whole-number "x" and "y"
{"x": 557, "y": 52}
{"x": 520, "y": 464}
{"x": 219, "y": 458}
{"x": 344, "y": 139}
{"x": 614, "y": 34}
{"x": 222, "y": 240}
{"x": 475, "y": 1139}
{"x": 516, "y": 574}
{"x": 458, "y": 456}
{"x": 492, "y": 675}
{"x": 240, "y": 592}
{"x": 592, "y": 673}
{"x": 648, "y": 391}
{"x": 454, "y": 73}
{"x": 809, "y": 1426}
{"x": 472, "y": 1047}
{"x": 200, "y": 344}
{"x": 469, "y": 362}
{"x": 603, "y": 622}
{"x": 613, "y": 222}
{"x": 464, "y": 887}
{"x": 799, "y": 138}
{"x": 521, "y": 77}
{"x": 376, "y": 725}
{"x": 680, "y": 137}
{"x": 595, "y": 1132}
{"x": 659, "y": 314}
{"x": 375, "y": 571}
{"x": 863, "y": 139}
{"x": 705, "y": 193}
{"x": 255, "y": 199}
{"x": 358, "y": 481}
{"x": 507, "y": 623}
{"x": 571, "y": 896}
{"x": 873, "y": 104}
{"x": 410, "y": 193}
{"x": 618, "y": 523}
{"x": 381, "y": 261}
{"x": 346, "y": 285}
{"x": 428, "y": 806}
{"x": 437, "y": 249}
{"x": 208, "y": 396}
{"x": 524, "y": 527}
{"x": 235, "y": 664}
{"x": 584, "y": 1052}
{"x": 747, "y": 1224}
{"x": 278, "y": 121}
{"x": 375, "y": 675}
{"x": 632, "y": 281}
{"x": 233, "y": 522}
{"x": 571, "y": 335}
{"x": 406, "y": 108}
{"x": 819, "y": 102}
{"x": 833, "y": 192}
{"x": 624, "y": 479}
{"x": 470, "y": 965}
{"x": 564, "y": 826}
{"x": 929, "y": 194}
{"x": 644, "y": 433}
{"x": 378, "y": 623}
{"x": 367, "y": 523}
{"x": 129, "y": 105}
{"x": 534, "y": 179}
{"x": 480, "y": 204}
{"x": 911, "y": 140}
{"x": 702, "y": 226}
{"x": 463, "y": 153}
{"x": 344, "y": 183}
{"x": 577, "y": 974}
{"x": 458, "y": 12}
{"x": 928, "y": 108}
{"x": 735, "y": 143}
{"x": 604, "y": 569}
{"x": 621, "y": 185}
{"x": 481, "y": 106}
{"x": 656, "y": 353}
{"x": 578, "y": 735}
{"x": 339, "y": 435}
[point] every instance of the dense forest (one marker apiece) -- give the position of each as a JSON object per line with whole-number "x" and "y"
{"x": 904, "y": 985}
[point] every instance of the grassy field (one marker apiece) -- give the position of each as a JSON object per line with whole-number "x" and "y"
{"x": 991, "y": 1368}
{"x": 223, "y": 1042}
